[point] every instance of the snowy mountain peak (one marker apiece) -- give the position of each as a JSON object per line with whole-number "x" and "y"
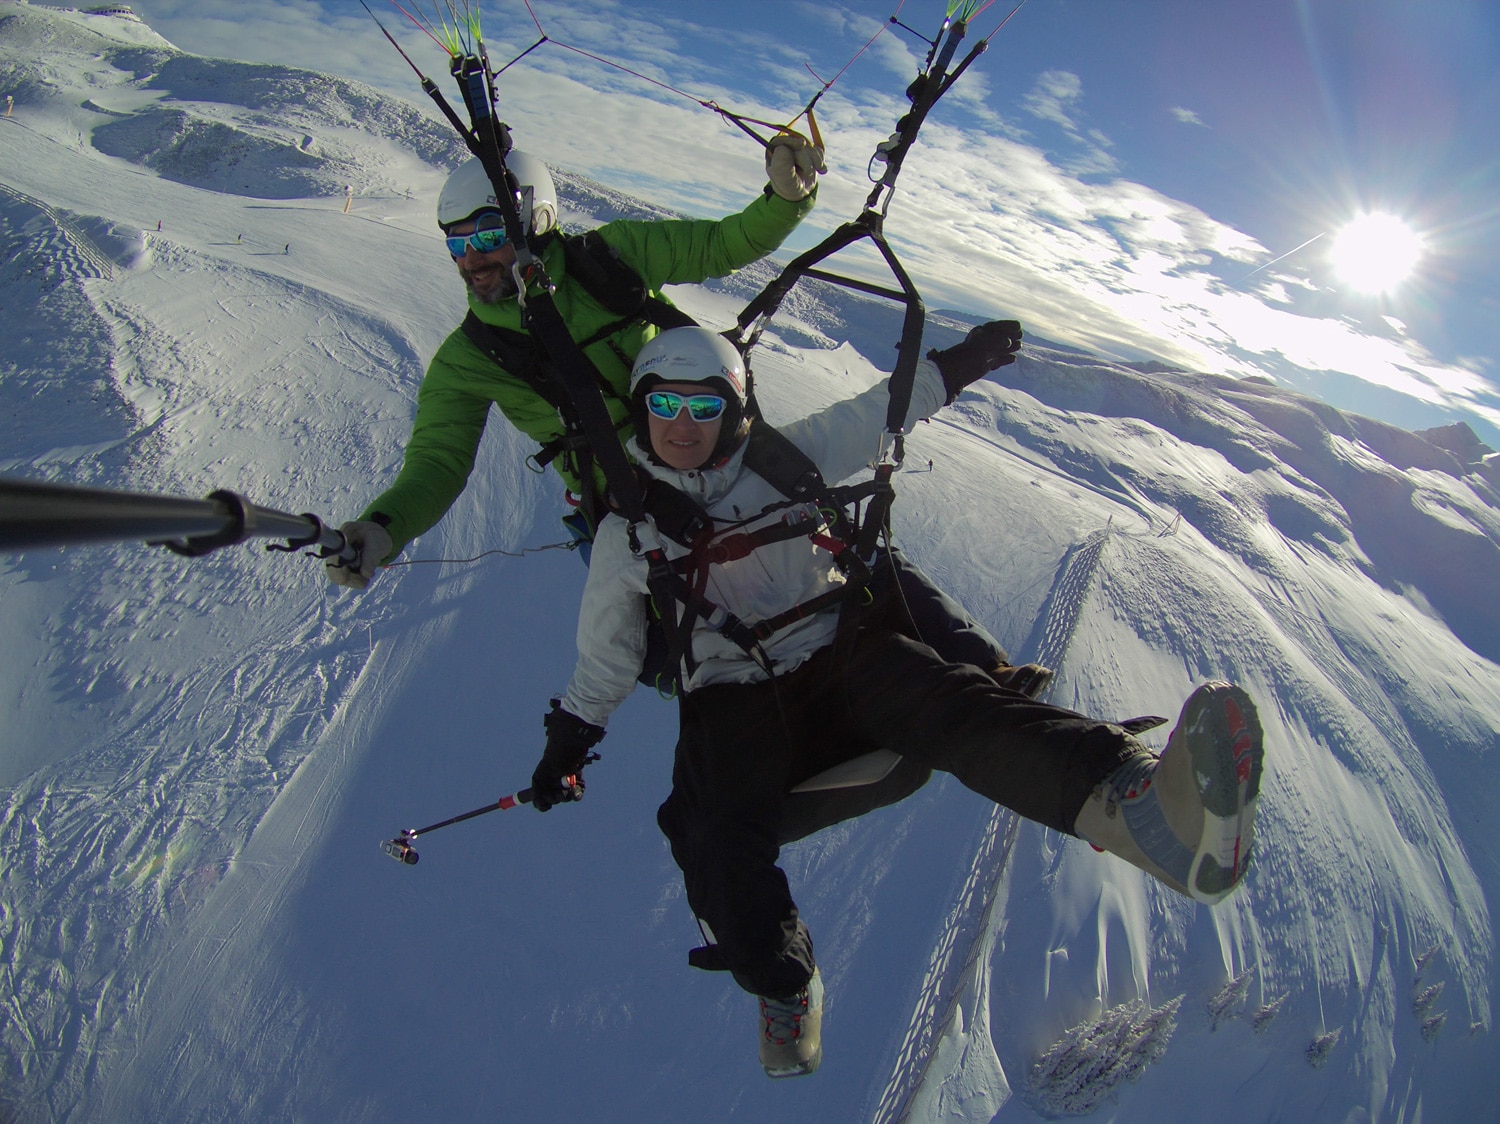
{"x": 256, "y": 129}
{"x": 117, "y": 23}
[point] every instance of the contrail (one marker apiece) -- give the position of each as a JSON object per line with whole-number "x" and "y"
{"x": 1288, "y": 254}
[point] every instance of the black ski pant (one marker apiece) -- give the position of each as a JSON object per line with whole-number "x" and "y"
{"x": 933, "y": 617}
{"x": 742, "y": 747}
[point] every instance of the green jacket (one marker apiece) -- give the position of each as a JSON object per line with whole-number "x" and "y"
{"x": 462, "y": 382}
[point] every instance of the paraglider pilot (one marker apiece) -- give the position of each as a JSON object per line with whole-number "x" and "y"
{"x": 757, "y": 720}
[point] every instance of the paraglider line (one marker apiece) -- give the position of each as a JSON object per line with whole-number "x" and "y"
{"x": 704, "y": 102}
{"x": 521, "y": 56}
{"x": 634, "y": 73}
{"x": 853, "y": 60}
{"x": 530, "y": 12}
{"x": 913, "y": 30}
{"x": 448, "y": 50}
{"x": 392, "y": 40}
{"x": 571, "y": 544}
{"x": 1006, "y": 20}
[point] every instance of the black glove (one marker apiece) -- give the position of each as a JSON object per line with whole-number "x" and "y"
{"x": 569, "y": 739}
{"x": 985, "y": 348}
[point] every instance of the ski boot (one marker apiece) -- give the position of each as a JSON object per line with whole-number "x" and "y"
{"x": 791, "y": 1031}
{"x": 1187, "y": 817}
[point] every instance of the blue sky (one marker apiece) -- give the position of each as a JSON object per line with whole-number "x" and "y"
{"x": 1117, "y": 174}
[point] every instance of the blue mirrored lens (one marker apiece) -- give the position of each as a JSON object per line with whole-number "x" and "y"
{"x": 705, "y": 407}
{"x": 701, "y": 407}
{"x": 489, "y": 235}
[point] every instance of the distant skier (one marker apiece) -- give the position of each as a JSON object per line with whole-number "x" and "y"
{"x": 239, "y": 239}
{"x": 158, "y": 226}
{"x": 288, "y": 249}
{"x": 773, "y": 695}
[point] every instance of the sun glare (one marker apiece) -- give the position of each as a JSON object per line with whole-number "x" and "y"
{"x": 1374, "y": 253}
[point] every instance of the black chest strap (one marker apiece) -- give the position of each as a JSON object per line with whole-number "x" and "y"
{"x": 597, "y": 268}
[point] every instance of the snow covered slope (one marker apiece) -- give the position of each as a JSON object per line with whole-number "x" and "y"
{"x": 199, "y": 758}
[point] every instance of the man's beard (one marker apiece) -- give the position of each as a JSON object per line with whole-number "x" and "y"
{"x": 504, "y": 291}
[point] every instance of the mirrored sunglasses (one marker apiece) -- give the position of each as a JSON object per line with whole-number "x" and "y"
{"x": 700, "y": 407}
{"x": 489, "y": 235}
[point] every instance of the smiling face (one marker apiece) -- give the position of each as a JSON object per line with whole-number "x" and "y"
{"x": 683, "y": 443}
{"x": 488, "y": 276}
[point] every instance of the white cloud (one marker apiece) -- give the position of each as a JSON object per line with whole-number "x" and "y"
{"x": 1186, "y": 116}
{"x": 1053, "y": 97}
{"x": 293, "y": 32}
{"x": 1056, "y": 98}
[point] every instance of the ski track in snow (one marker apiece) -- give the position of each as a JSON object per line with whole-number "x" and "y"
{"x": 971, "y": 928}
{"x": 199, "y": 756}
{"x": 954, "y": 959}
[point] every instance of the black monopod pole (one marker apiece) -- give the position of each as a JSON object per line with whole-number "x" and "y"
{"x": 36, "y": 514}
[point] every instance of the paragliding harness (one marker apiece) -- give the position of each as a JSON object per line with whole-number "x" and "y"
{"x": 598, "y": 268}
{"x": 826, "y": 516}
{"x": 37, "y": 514}
{"x": 815, "y": 510}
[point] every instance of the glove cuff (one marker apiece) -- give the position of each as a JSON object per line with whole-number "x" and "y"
{"x": 565, "y": 729}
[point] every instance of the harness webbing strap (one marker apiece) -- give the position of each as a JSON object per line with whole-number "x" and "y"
{"x": 811, "y": 607}
{"x": 876, "y": 516}
{"x": 884, "y": 492}
{"x": 787, "y": 468}
{"x": 741, "y": 544}
{"x": 908, "y": 349}
{"x": 580, "y": 378}
{"x": 518, "y": 354}
{"x": 597, "y": 268}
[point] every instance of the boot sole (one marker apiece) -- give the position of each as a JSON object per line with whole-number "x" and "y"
{"x": 1226, "y": 744}
{"x": 801, "y": 1070}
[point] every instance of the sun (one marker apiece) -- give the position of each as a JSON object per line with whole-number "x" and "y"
{"x": 1375, "y": 252}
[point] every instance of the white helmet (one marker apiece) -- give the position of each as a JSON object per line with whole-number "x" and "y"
{"x": 469, "y": 191}
{"x": 690, "y": 355}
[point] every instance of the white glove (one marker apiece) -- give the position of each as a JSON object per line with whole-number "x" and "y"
{"x": 793, "y": 163}
{"x": 373, "y": 542}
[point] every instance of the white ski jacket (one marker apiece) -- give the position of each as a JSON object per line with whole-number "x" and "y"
{"x": 841, "y": 440}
